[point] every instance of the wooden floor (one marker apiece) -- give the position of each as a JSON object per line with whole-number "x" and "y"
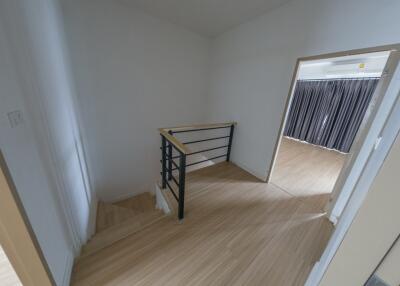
{"x": 237, "y": 231}
{"x": 305, "y": 170}
{"x": 8, "y": 277}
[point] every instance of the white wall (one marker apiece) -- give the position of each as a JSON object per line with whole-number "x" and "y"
{"x": 253, "y": 63}
{"x": 29, "y": 172}
{"x": 134, "y": 74}
{"x": 44, "y": 153}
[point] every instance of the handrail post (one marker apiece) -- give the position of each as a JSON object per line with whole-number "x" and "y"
{"x": 164, "y": 161}
{"x": 228, "y": 154}
{"x": 170, "y": 158}
{"x": 182, "y": 173}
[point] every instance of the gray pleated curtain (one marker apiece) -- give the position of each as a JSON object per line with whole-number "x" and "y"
{"x": 329, "y": 112}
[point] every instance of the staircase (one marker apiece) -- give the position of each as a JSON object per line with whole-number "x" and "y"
{"x": 237, "y": 230}
{"x": 116, "y": 221}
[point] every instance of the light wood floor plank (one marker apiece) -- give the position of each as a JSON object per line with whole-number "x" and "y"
{"x": 237, "y": 231}
{"x": 305, "y": 170}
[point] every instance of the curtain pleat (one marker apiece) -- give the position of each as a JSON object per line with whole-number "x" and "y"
{"x": 329, "y": 112}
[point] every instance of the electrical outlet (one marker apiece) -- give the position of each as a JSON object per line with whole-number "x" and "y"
{"x": 15, "y": 118}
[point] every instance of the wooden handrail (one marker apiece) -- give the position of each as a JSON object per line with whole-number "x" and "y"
{"x": 181, "y": 147}
{"x": 198, "y": 126}
{"x": 185, "y": 150}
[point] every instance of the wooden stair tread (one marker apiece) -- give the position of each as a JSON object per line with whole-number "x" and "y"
{"x": 110, "y": 214}
{"x": 117, "y": 232}
{"x": 116, "y": 221}
{"x": 141, "y": 203}
{"x": 121, "y": 219}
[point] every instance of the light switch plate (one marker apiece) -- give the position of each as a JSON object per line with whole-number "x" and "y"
{"x": 15, "y": 118}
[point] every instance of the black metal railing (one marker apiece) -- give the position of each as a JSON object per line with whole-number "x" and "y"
{"x": 170, "y": 145}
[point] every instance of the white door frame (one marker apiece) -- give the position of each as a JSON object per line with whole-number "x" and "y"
{"x": 376, "y": 102}
{"x": 364, "y": 141}
{"x": 390, "y": 128}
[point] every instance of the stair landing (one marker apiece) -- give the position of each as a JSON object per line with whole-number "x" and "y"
{"x": 237, "y": 231}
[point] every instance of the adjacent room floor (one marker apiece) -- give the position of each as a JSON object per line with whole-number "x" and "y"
{"x": 237, "y": 231}
{"x": 8, "y": 277}
{"x": 305, "y": 170}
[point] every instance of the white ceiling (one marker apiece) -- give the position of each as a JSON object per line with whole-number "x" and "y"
{"x": 206, "y": 17}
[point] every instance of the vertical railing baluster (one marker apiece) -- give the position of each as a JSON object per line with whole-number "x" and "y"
{"x": 169, "y": 159}
{"x": 168, "y": 149}
{"x": 164, "y": 161}
{"x": 228, "y": 154}
{"x": 182, "y": 173}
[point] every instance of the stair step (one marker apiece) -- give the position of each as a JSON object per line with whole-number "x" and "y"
{"x": 110, "y": 214}
{"x": 141, "y": 203}
{"x": 116, "y": 221}
{"x": 117, "y": 232}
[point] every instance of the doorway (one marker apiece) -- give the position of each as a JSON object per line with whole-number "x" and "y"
{"x": 328, "y": 113}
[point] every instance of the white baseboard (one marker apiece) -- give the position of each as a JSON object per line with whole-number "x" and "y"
{"x": 312, "y": 276}
{"x": 124, "y": 196}
{"x": 161, "y": 202}
{"x": 92, "y": 219}
{"x": 69, "y": 264}
{"x": 262, "y": 177}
